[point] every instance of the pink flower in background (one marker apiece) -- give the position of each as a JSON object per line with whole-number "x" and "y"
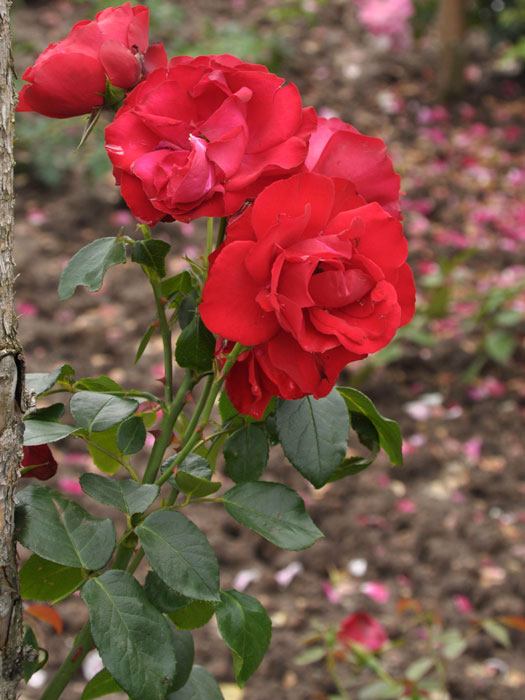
{"x": 463, "y": 605}
{"x": 376, "y": 591}
{"x": 390, "y": 18}
{"x": 363, "y": 629}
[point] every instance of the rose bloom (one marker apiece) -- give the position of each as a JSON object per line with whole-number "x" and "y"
{"x": 205, "y": 135}
{"x": 337, "y": 149}
{"x": 69, "y": 77}
{"x": 41, "y": 459}
{"x": 312, "y": 278}
{"x": 362, "y": 629}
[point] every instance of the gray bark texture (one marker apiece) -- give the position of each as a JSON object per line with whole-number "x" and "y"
{"x": 11, "y": 384}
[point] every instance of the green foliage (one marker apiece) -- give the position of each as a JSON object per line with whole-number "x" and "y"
{"x": 274, "y": 511}
{"x": 152, "y": 254}
{"x": 45, "y": 580}
{"x": 38, "y": 432}
{"x": 88, "y": 267}
{"x": 61, "y": 531}
{"x": 131, "y": 435}
{"x": 100, "y": 685}
{"x": 246, "y": 628}
{"x": 125, "y": 495}
{"x": 96, "y": 412}
{"x": 195, "y": 346}
{"x": 180, "y": 554}
{"x": 134, "y": 639}
{"x": 200, "y": 686}
{"x": 246, "y": 454}
{"x": 387, "y": 429}
{"x": 314, "y": 434}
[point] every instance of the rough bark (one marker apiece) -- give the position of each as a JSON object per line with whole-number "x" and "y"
{"x": 452, "y": 25}
{"x": 11, "y": 384}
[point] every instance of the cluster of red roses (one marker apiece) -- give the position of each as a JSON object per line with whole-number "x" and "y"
{"x": 312, "y": 274}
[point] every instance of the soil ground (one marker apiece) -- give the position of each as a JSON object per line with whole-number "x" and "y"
{"x": 449, "y": 522}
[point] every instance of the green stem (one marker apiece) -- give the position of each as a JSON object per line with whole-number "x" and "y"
{"x": 191, "y": 439}
{"x": 165, "y": 333}
{"x": 81, "y": 646}
{"x": 133, "y": 565}
{"x": 222, "y": 231}
{"x": 209, "y": 236}
{"x": 168, "y": 423}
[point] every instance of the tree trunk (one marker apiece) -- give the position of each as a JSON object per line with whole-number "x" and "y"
{"x": 452, "y": 25}
{"x": 11, "y": 384}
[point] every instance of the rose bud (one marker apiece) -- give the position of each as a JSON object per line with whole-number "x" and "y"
{"x": 363, "y": 629}
{"x": 69, "y": 77}
{"x": 39, "y": 462}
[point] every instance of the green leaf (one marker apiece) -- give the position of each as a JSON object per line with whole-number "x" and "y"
{"x": 131, "y": 435}
{"x": 184, "y": 649}
{"x": 187, "y": 614}
{"x": 101, "y": 384}
{"x": 152, "y": 254}
{"x": 453, "y": 644}
{"x": 418, "y": 669}
{"x": 96, "y": 411}
{"x": 40, "y": 382}
{"x": 46, "y": 580}
{"x": 162, "y": 596}
{"x": 178, "y": 284}
{"x": 51, "y": 413}
{"x": 195, "y": 346}
{"x": 126, "y": 495}
{"x": 194, "y": 486}
{"x": 498, "y": 632}
{"x": 226, "y": 408}
{"x": 100, "y": 685}
{"x": 194, "y": 477}
{"x": 314, "y": 434}
{"x": 349, "y": 467}
{"x": 38, "y": 432}
{"x": 200, "y": 686}
{"x": 388, "y": 430}
{"x": 310, "y": 656}
{"x": 193, "y": 615}
{"x": 31, "y": 664}
{"x": 61, "y": 531}
{"x": 366, "y": 431}
{"x": 133, "y": 638}
{"x": 181, "y": 555}
{"x": 104, "y": 450}
{"x": 247, "y": 630}
{"x": 246, "y": 454}
{"x": 274, "y": 511}
{"x": 379, "y": 690}
{"x": 500, "y": 346}
{"x": 144, "y": 342}
{"x": 90, "y": 264}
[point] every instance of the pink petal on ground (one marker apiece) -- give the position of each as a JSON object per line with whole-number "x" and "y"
{"x": 376, "y": 591}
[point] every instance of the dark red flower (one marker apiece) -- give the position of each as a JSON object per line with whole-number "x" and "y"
{"x": 69, "y": 77}
{"x": 312, "y": 278}
{"x": 339, "y": 150}
{"x": 40, "y": 459}
{"x": 362, "y": 629}
{"x": 205, "y": 135}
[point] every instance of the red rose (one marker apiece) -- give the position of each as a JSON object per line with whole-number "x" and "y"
{"x": 314, "y": 278}
{"x": 40, "y": 459}
{"x": 203, "y": 136}
{"x": 69, "y": 78}
{"x": 362, "y": 629}
{"x": 338, "y": 150}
